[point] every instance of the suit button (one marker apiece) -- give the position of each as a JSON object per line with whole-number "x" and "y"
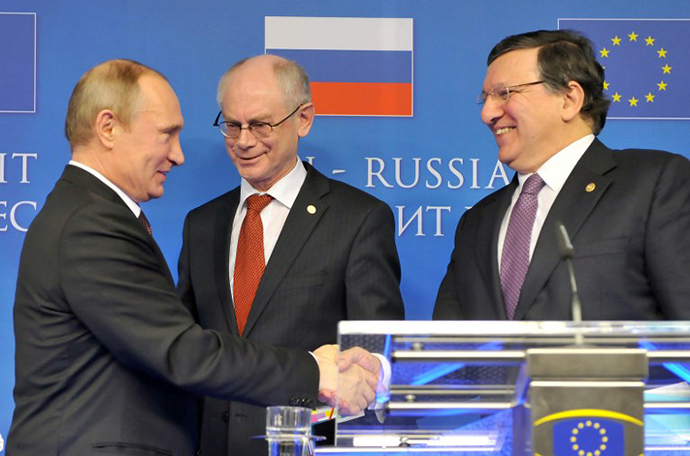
{"x": 226, "y": 417}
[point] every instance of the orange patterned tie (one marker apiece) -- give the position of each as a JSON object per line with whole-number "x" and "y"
{"x": 249, "y": 260}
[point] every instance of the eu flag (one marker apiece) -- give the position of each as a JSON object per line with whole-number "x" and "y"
{"x": 17, "y": 62}
{"x": 588, "y": 436}
{"x": 647, "y": 63}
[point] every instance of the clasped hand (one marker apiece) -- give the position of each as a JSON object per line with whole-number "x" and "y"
{"x": 348, "y": 379}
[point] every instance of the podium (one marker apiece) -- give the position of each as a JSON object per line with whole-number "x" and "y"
{"x": 524, "y": 388}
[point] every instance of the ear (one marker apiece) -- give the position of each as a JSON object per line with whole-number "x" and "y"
{"x": 306, "y": 118}
{"x": 573, "y": 98}
{"x": 105, "y": 125}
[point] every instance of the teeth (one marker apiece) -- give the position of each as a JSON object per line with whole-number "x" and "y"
{"x": 500, "y": 131}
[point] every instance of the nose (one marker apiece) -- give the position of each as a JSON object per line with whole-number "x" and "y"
{"x": 491, "y": 111}
{"x": 246, "y": 139}
{"x": 176, "y": 156}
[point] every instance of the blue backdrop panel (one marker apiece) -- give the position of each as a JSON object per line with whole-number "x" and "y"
{"x": 429, "y": 167}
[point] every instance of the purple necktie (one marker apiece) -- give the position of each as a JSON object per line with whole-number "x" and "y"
{"x": 515, "y": 256}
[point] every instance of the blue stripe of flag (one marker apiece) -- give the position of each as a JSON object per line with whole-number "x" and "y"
{"x": 17, "y": 86}
{"x": 352, "y": 66}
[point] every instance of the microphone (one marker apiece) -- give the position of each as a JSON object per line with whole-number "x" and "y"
{"x": 566, "y": 249}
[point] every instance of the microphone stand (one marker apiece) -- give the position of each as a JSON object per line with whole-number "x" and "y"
{"x": 565, "y": 247}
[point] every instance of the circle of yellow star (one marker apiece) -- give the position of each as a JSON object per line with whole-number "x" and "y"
{"x": 616, "y": 41}
{"x": 604, "y": 52}
{"x": 606, "y": 85}
{"x": 649, "y": 97}
{"x": 662, "y": 85}
{"x": 667, "y": 69}
{"x": 662, "y": 53}
{"x": 650, "y": 41}
{"x": 633, "y": 101}
{"x": 633, "y": 36}
{"x": 617, "y": 97}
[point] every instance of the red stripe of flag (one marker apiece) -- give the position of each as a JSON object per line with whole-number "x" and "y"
{"x": 362, "y": 98}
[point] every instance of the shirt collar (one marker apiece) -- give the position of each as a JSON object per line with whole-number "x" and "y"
{"x": 284, "y": 191}
{"x": 133, "y": 206}
{"x": 555, "y": 170}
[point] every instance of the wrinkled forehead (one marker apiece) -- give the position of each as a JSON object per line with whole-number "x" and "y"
{"x": 252, "y": 92}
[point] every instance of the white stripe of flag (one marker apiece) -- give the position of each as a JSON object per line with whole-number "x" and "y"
{"x": 338, "y": 33}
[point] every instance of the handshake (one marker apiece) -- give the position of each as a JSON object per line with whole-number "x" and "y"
{"x": 349, "y": 379}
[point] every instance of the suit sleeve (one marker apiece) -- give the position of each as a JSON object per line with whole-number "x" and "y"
{"x": 372, "y": 278}
{"x": 117, "y": 284}
{"x": 668, "y": 240}
{"x": 448, "y": 301}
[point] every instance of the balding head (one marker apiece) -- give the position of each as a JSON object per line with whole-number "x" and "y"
{"x": 290, "y": 76}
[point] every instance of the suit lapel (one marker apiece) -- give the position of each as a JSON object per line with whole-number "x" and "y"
{"x": 490, "y": 225}
{"x": 221, "y": 257}
{"x": 572, "y": 207}
{"x": 298, "y": 227}
{"x": 82, "y": 178}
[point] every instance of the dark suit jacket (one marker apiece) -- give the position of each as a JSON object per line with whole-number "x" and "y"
{"x": 336, "y": 264}
{"x": 108, "y": 360}
{"x": 631, "y": 236}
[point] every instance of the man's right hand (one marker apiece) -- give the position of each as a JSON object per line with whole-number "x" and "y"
{"x": 356, "y": 369}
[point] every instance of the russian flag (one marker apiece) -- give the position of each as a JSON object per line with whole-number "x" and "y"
{"x": 357, "y": 66}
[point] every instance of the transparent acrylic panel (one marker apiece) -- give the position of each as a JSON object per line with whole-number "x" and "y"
{"x": 455, "y": 384}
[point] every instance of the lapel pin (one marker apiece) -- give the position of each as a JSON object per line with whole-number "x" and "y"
{"x": 590, "y": 187}
{"x": 311, "y": 209}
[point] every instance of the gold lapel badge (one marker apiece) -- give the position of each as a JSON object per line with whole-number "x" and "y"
{"x": 311, "y": 209}
{"x": 590, "y": 187}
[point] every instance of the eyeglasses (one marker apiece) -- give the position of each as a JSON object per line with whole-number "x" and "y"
{"x": 233, "y": 130}
{"x": 500, "y": 94}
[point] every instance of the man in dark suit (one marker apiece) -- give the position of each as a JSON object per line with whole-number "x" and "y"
{"x": 328, "y": 249}
{"x": 108, "y": 360}
{"x": 627, "y": 212}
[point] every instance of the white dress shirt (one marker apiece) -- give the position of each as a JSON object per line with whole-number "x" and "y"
{"x": 284, "y": 193}
{"x": 554, "y": 173}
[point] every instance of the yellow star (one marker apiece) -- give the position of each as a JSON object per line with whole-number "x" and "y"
{"x": 633, "y": 36}
{"x": 606, "y": 85}
{"x": 604, "y": 52}
{"x": 616, "y": 41}
{"x": 662, "y": 85}
{"x": 633, "y": 101}
{"x": 662, "y": 53}
{"x": 667, "y": 69}
{"x": 649, "y": 97}
{"x": 650, "y": 41}
{"x": 616, "y": 98}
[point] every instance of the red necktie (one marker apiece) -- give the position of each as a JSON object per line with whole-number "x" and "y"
{"x": 249, "y": 260}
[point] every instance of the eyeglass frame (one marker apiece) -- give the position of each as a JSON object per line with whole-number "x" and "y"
{"x": 250, "y": 127}
{"x": 509, "y": 90}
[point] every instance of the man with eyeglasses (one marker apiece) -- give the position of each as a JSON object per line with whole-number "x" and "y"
{"x": 627, "y": 212}
{"x": 326, "y": 251}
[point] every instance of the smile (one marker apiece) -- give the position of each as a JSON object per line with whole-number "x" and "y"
{"x": 503, "y": 130}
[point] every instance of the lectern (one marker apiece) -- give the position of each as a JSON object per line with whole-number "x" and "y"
{"x": 524, "y": 388}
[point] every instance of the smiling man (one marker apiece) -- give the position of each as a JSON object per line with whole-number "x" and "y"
{"x": 108, "y": 360}
{"x": 627, "y": 212}
{"x": 315, "y": 251}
